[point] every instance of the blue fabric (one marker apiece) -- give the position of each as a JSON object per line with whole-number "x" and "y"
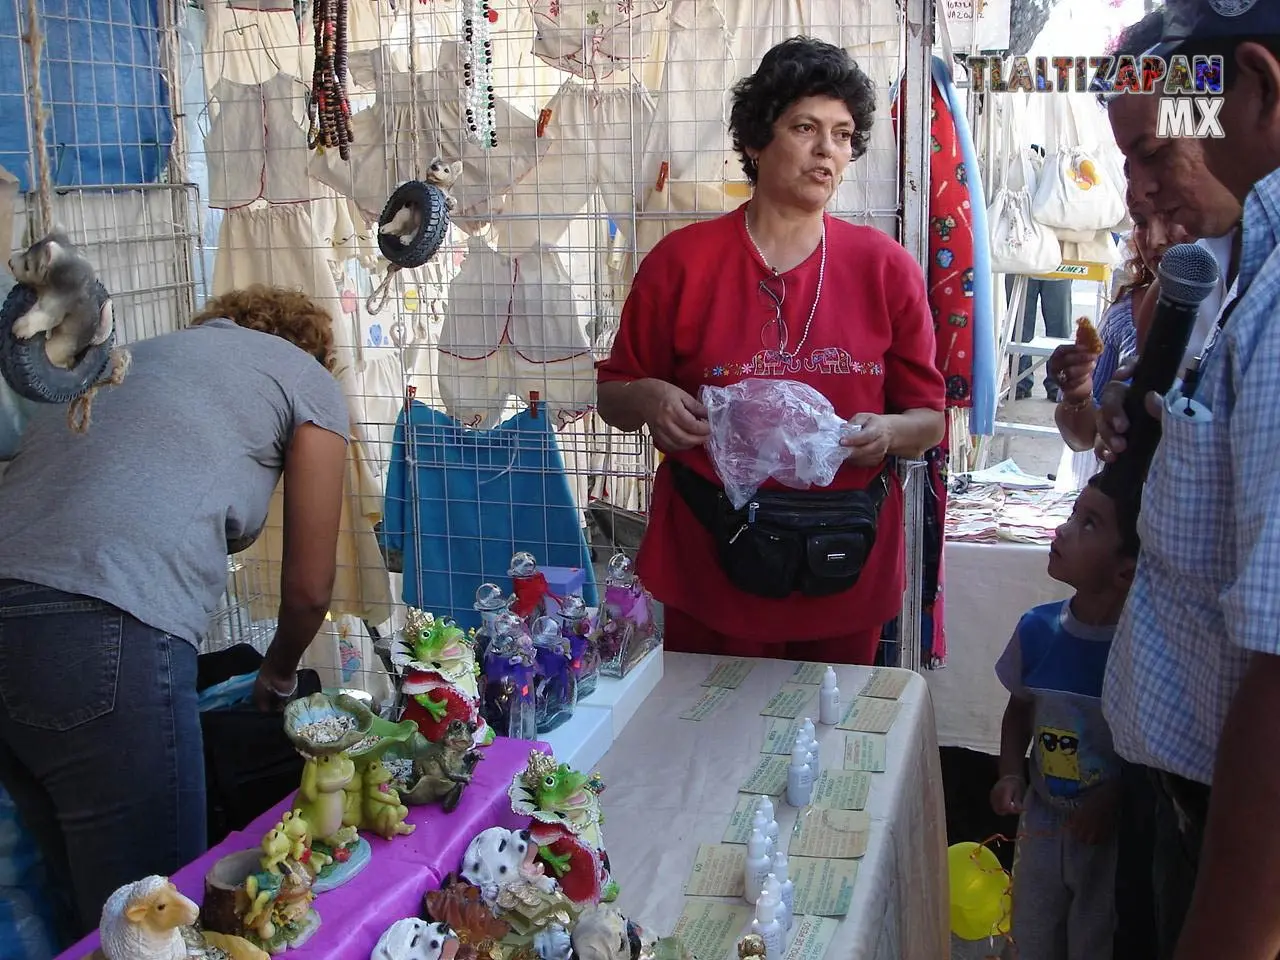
{"x": 985, "y": 385}
{"x": 460, "y": 502}
{"x": 108, "y": 108}
{"x": 26, "y": 925}
{"x": 228, "y": 693}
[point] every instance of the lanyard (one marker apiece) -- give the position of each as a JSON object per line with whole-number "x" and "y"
{"x": 1191, "y": 379}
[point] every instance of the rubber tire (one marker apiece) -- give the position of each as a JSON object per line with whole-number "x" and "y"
{"x": 26, "y": 367}
{"x": 431, "y": 200}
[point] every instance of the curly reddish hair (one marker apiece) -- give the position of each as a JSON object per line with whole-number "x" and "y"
{"x": 288, "y": 314}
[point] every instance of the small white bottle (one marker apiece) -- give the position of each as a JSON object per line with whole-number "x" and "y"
{"x": 808, "y": 729}
{"x": 786, "y": 889}
{"x": 773, "y": 890}
{"x": 829, "y": 699}
{"x": 765, "y": 804}
{"x": 757, "y": 867}
{"x": 799, "y": 777}
{"x": 763, "y": 821}
{"x": 759, "y": 823}
{"x": 815, "y": 758}
{"x": 767, "y": 926}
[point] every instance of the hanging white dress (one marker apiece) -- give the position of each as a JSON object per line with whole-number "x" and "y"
{"x": 255, "y": 148}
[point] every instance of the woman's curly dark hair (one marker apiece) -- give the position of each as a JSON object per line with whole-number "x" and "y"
{"x": 288, "y": 314}
{"x": 796, "y": 68}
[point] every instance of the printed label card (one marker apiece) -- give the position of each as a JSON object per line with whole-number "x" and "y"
{"x": 710, "y": 929}
{"x": 718, "y": 871}
{"x": 780, "y": 735}
{"x": 789, "y": 701}
{"x": 769, "y": 778}
{"x": 729, "y": 673}
{"x": 739, "y": 829}
{"x": 833, "y": 834}
{"x": 810, "y": 938}
{"x": 886, "y": 683}
{"x": 868, "y": 752}
{"x": 707, "y": 704}
{"x": 824, "y": 888}
{"x": 842, "y": 790}
{"x": 809, "y": 673}
{"x": 870, "y": 715}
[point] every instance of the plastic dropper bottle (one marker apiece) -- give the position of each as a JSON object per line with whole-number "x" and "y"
{"x": 767, "y": 926}
{"x": 786, "y": 889}
{"x": 758, "y": 866}
{"x": 829, "y": 699}
{"x": 799, "y": 777}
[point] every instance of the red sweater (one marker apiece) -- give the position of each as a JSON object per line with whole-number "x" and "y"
{"x": 696, "y": 316}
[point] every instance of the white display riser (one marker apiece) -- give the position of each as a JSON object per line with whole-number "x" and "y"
{"x": 600, "y": 718}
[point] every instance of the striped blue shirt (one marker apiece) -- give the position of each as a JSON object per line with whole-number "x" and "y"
{"x": 1119, "y": 340}
{"x": 1205, "y": 596}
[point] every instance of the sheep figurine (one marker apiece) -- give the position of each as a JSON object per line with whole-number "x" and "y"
{"x": 144, "y": 920}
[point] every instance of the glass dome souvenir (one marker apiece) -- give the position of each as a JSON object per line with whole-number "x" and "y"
{"x": 490, "y": 602}
{"x": 627, "y": 631}
{"x": 582, "y": 645}
{"x": 530, "y": 586}
{"x": 557, "y": 686}
{"x": 510, "y": 676}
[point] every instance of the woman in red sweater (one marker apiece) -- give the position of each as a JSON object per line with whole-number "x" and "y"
{"x": 780, "y": 289}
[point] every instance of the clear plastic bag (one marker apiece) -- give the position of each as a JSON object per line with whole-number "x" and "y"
{"x": 772, "y": 428}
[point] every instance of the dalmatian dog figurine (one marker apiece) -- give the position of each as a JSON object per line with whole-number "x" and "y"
{"x": 498, "y": 857}
{"x": 414, "y": 939}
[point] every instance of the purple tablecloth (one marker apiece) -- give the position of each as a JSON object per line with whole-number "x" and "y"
{"x": 401, "y": 871}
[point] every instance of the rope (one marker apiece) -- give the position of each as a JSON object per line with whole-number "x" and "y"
{"x": 34, "y": 39}
{"x": 80, "y": 413}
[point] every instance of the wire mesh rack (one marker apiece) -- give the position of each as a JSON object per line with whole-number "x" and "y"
{"x": 600, "y": 126}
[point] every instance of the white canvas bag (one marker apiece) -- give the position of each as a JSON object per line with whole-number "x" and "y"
{"x": 1018, "y": 243}
{"x": 1076, "y": 191}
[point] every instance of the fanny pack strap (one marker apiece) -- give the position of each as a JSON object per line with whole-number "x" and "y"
{"x": 703, "y": 495}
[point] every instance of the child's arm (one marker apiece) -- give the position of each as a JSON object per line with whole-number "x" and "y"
{"x": 1015, "y": 735}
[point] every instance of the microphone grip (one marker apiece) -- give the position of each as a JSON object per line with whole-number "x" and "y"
{"x": 1156, "y": 371}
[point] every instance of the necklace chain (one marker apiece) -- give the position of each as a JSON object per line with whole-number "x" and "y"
{"x": 817, "y": 294}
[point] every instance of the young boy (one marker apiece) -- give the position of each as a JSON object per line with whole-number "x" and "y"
{"x": 1064, "y": 867}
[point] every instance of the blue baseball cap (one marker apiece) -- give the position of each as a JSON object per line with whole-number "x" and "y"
{"x": 1186, "y": 20}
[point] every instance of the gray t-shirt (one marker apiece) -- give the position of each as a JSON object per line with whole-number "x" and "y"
{"x": 180, "y": 459}
{"x": 1058, "y": 663}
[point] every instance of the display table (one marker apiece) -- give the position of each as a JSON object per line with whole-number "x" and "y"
{"x": 401, "y": 870}
{"x": 672, "y": 784}
{"x": 989, "y": 586}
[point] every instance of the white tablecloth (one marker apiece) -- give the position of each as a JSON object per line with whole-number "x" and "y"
{"x": 671, "y": 784}
{"x": 989, "y": 586}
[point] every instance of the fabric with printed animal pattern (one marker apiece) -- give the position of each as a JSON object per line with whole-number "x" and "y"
{"x": 951, "y": 256}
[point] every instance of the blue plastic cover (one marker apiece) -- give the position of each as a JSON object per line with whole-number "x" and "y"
{"x": 107, "y": 104}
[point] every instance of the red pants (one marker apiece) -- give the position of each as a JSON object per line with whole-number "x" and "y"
{"x": 683, "y": 633}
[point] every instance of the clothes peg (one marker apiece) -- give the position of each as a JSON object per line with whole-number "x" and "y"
{"x": 534, "y": 396}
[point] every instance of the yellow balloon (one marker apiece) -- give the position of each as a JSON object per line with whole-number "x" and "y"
{"x": 411, "y": 299}
{"x": 980, "y": 902}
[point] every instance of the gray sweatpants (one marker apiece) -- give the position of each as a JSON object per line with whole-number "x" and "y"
{"x": 1063, "y": 889}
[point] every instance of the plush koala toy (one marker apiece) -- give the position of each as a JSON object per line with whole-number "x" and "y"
{"x": 414, "y": 939}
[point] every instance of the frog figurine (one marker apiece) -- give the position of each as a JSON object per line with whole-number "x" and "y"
{"x": 321, "y": 798}
{"x": 564, "y": 805}
{"x": 442, "y": 770}
{"x": 383, "y": 813}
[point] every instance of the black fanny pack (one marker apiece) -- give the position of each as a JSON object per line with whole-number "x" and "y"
{"x": 810, "y": 542}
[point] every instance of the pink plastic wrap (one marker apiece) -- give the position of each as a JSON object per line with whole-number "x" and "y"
{"x": 772, "y": 428}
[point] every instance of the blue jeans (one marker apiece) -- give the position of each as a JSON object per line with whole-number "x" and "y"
{"x": 99, "y": 744}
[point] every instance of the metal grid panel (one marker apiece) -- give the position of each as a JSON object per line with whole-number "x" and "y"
{"x": 606, "y": 140}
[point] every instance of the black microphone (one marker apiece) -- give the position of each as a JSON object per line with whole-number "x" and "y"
{"x": 1188, "y": 274}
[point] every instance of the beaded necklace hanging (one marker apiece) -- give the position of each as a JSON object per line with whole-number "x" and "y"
{"x": 328, "y": 108}
{"x": 479, "y": 101}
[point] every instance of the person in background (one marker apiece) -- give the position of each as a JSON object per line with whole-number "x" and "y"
{"x": 113, "y": 557}
{"x": 1064, "y": 865}
{"x": 1194, "y": 674}
{"x": 778, "y": 289}
{"x": 1082, "y": 375}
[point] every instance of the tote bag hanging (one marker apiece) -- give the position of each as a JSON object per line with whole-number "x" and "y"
{"x": 1018, "y": 243}
{"x": 1076, "y": 192}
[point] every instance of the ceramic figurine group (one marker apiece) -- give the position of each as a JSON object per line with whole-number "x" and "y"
{"x": 518, "y": 897}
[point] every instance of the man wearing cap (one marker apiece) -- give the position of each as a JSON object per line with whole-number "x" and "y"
{"x": 1193, "y": 683}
